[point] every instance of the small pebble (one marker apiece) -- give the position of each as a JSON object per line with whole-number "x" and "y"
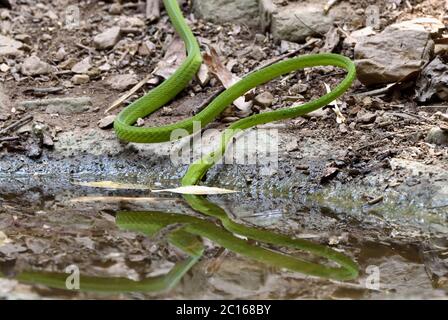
{"x": 116, "y": 9}
{"x": 80, "y": 79}
{"x": 264, "y": 100}
{"x": 106, "y": 122}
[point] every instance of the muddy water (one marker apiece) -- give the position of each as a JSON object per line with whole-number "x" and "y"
{"x": 53, "y": 228}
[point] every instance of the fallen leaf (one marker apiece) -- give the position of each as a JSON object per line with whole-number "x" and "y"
{"x": 197, "y": 190}
{"x": 111, "y": 185}
{"x": 174, "y": 56}
{"x": 226, "y": 77}
{"x": 335, "y": 104}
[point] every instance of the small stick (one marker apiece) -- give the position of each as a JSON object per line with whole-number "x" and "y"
{"x": 375, "y": 201}
{"x": 123, "y": 98}
{"x": 308, "y": 27}
{"x": 288, "y": 55}
{"x": 5, "y": 139}
{"x": 17, "y": 124}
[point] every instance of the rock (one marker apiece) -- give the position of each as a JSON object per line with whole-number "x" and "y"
{"x": 4, "y": 67}
{"x": 60, "y": 105}
{"x": 299, "y": 88}
{"x": 296, "y": 21}
{"x": 437, "y": 136}
{"x": 60, "y": 54}
{"x": 68, "y": 64}
{"x": 288, "y": 46}
{"x": 358, "y": 35}
{"x": 122, "y": 82}
{"x": 146, "y": 48}
{"x": 257, "y": 53}
{"x": 367, "y": 117}
{"x": 106, "y": 122}
{"x": 131, "y": 22}
{"x": 398, "y": 51}
{"x": 10, "y": 47}
{"x": 116, "y": 9}
{"x": 80, "y": 78}
{"x": 83, "y": 66}
{"x": 264, "y": 100}
{"x": 107, "y": 39}
{"x": 33, "y": 66}
{"x": 236, "y": 11}
{"x": 433, "y": 82}
{"x": 25, "y": 38}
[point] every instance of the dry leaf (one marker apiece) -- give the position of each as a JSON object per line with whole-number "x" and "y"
{"x": 174, "y": 56}
{"x": 197, "y": 190}
{"x": 339, "y": 116}
{"x": 226, "y": 77}
{"x": 112, "y": 185}
{"x": 203, "y": 75}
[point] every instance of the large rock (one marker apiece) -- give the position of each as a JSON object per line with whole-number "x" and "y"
{"x": 10, "y": 47}
{"x": 398, "y": 51}
{"x": 237, "y": 11}
{"x": 297, "y": 21}
{"x": 437, "y": 136}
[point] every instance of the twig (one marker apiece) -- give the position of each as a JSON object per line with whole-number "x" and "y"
{"x": 375, "y": 201}
{"x": 375, "y": 92}
{"x": 17, "y": 124}
{"x": 5, "y": 139}
{"x": 288, "y": 55}
{"x": 90, "y": 50}
{"x": 123, "y": 98}
{"x": 308, "y": 27}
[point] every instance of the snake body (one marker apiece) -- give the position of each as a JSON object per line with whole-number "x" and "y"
{"x": 168, "y": 90}
{"x": 187, "y": 238}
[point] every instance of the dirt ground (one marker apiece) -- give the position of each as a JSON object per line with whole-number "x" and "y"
{"x": 379, "y": 129}
{"x": 376, "y": 128}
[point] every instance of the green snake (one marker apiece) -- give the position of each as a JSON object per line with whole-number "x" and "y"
{"x": 168, "y": 90}
{"x": 187, "y": 238}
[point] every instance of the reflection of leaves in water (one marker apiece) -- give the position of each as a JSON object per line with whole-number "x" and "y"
{"x": 197, "y": 190}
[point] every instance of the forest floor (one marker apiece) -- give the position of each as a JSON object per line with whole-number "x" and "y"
{"x": 384, "y": 158}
